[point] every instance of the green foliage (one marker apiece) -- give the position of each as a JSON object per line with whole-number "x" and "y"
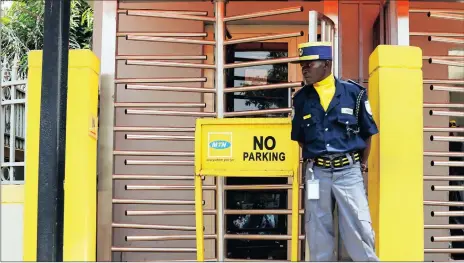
{"x": 23, "y": 24}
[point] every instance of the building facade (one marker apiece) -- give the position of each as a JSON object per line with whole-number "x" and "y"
{"x": 147, "y": 115}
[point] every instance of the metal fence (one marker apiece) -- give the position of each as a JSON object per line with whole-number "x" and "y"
{"x": 13, "y": 122}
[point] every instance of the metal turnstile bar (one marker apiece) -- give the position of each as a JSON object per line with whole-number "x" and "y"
{"x": 447, "y": 39}
{"x": 260, "y": 237}
{"x": 157, "y": 227}
{"x": 151, "y": 153}
{"x": 436, "y": 34}
{"x": 449, "y": 57}
{"x": 260, "y": 187}
{"x": 159, "y": 137}
{"x": 264, "y": 14}
{"x": 184, "y": 260}
{"x": 166, "y": 213}
{"x": 153, "y": 202}
{"x": 444, "y": 178}
{"x": 194, "y": 13}
{"x": 445, "y": 16}
{"x": 446, "y": 113}
{"x": 159, "y": 80}
{"x": 443, "y": 129}
{"x": 446, "y": 163}
{"x": 265, "y": 87}
{"x": 170, "y": 64}
{"x": 444, "y": 250}
{"x": 447, "y": 213}
{"x": 171, "y": 40}
{"x": 154, "y": 129}
{"x": 166, "y": 187}
{"x": 444, "y": 81}
{"x": 165, "y": 238}
{"x": 169, "y": 15}
{"x": 257, "y": 112}
{"x": 261, "y": 62}
{"x": 262, "y": 38}
{"x": 447, "y": 88}
{"x": 169, "y": 88}
{"x": 161, "y": 57}
{"x": 444, "y": 105}
{"x": 260, "y": 211}
{"x": 152, "y": 249}
{"x": 446, "y": 62}
{"x": 446, "y": 238}
{"x": 170, "y": 113}
{"x": 443, "y": 203}
{"x": 255, "y": 260}
{"x": 444, "y": 154}
{"x": 151, "y": 177}
{"x": 162, "y": 34}
{"x": 150, "y": 162}
{"x": 449, "y": 139}
{"x": 448, "y": 226}
{"x": 446, "y": 188}
{"x": 421, "y": 10}
{"x": 159, "y": 104}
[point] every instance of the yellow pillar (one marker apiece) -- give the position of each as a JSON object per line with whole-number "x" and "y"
{"x": 80, "y": 200}
{"x": 396, "y": 161}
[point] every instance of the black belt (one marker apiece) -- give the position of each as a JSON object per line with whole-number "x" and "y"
{"x": 339, "y": 161}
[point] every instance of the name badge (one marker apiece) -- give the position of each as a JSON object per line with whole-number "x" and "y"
{"x": 313, "y": 189}
{"x": 306, "y": 117}
{"x": 347, "y": 111}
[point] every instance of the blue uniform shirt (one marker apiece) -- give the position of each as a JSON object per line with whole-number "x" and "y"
{"x": 331, "y": 132}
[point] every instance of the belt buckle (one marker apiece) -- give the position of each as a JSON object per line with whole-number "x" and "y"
{"x": 331, "y": 158}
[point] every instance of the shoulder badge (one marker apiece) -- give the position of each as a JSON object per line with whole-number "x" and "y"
{"x": 368, "y": 107}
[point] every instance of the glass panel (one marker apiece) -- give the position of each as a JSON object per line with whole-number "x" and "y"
{"x": 257, "y": 75}
{"x": 256, "y": 199}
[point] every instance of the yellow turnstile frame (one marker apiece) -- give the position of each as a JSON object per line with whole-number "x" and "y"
{"x": 236, "y": 136}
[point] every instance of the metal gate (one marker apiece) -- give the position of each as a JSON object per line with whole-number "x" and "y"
{"x": 444, "y": 217}
{"x": 159, "y": 224}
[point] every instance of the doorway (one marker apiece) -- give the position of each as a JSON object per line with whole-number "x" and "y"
{"x": 241, "y": 197}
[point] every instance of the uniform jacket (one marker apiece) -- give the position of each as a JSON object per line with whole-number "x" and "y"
{"x": 333, "y": 131}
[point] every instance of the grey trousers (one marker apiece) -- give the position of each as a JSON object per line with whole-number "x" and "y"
{"x": 344, "y": 185}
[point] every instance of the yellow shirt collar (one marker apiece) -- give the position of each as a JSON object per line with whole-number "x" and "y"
{"x": 325, "y": 82}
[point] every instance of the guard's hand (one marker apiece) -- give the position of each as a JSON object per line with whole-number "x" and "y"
{"x": 364, "y": 167}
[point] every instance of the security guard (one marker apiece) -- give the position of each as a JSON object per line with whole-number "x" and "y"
{"x": 333, "y": 123}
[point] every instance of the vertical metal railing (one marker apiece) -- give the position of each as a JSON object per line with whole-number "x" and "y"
{"x": 219, "y": 6}
{"x": 13, "y": 122}
{"x": 319, "y": 23}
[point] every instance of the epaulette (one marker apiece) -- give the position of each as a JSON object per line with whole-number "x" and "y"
{"x": 355, "y": 83}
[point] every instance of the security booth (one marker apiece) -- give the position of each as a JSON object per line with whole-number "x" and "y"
{"x": 170, "y": 67}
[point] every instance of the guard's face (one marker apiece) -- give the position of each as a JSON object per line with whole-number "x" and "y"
{"x": 314, "y": 71}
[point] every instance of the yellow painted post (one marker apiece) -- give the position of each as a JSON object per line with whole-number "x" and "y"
{"x": 200, "y": 235}
{"x": 396, "y": 161}
{"x": 34, "y": 85}
{"x": 80, "y": 200}
{"x": 80, "y": 189}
